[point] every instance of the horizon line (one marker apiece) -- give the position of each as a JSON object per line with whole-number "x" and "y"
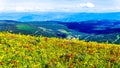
{"x": 58, "y": 12}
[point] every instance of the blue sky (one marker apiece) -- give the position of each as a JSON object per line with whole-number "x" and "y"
{"x": 60, "y": 5}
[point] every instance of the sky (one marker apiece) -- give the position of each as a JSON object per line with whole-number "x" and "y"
{"x": 60, "y": 5}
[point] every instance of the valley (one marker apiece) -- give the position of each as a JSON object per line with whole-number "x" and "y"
{"x": 92, "y": 30}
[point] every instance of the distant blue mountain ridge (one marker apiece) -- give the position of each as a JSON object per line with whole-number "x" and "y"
{"x": 58, "y": 16}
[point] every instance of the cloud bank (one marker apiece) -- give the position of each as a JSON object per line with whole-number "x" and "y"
{"x": 59, "y": 6}
{"x": 88, "y": 5}
{"x": 43, "y": 6}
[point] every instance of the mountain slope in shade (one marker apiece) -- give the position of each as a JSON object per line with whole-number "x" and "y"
{"x": 95, "y": 26}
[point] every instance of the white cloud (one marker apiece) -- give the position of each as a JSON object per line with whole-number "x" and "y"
{"x": 88, "y": 5}
{"x": 59, "y": 5}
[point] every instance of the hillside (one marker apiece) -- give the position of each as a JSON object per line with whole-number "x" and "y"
{"x": 91, "y": 30}
{"x": 25, "y": 51}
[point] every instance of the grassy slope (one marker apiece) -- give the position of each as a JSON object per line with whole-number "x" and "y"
{"x": 24, "y": 27}
{"x": 23, "y": 51}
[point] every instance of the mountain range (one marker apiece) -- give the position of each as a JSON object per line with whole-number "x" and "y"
{"x": 58, "y": 16}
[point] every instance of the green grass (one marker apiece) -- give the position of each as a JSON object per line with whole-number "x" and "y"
{"x": 24, "y": 27}
{"x": 25, "y": 51}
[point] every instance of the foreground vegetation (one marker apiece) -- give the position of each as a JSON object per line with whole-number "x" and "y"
{"x": 25, "y": 51}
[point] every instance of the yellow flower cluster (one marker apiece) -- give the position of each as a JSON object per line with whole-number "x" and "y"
{"x": 25, "y": 51}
